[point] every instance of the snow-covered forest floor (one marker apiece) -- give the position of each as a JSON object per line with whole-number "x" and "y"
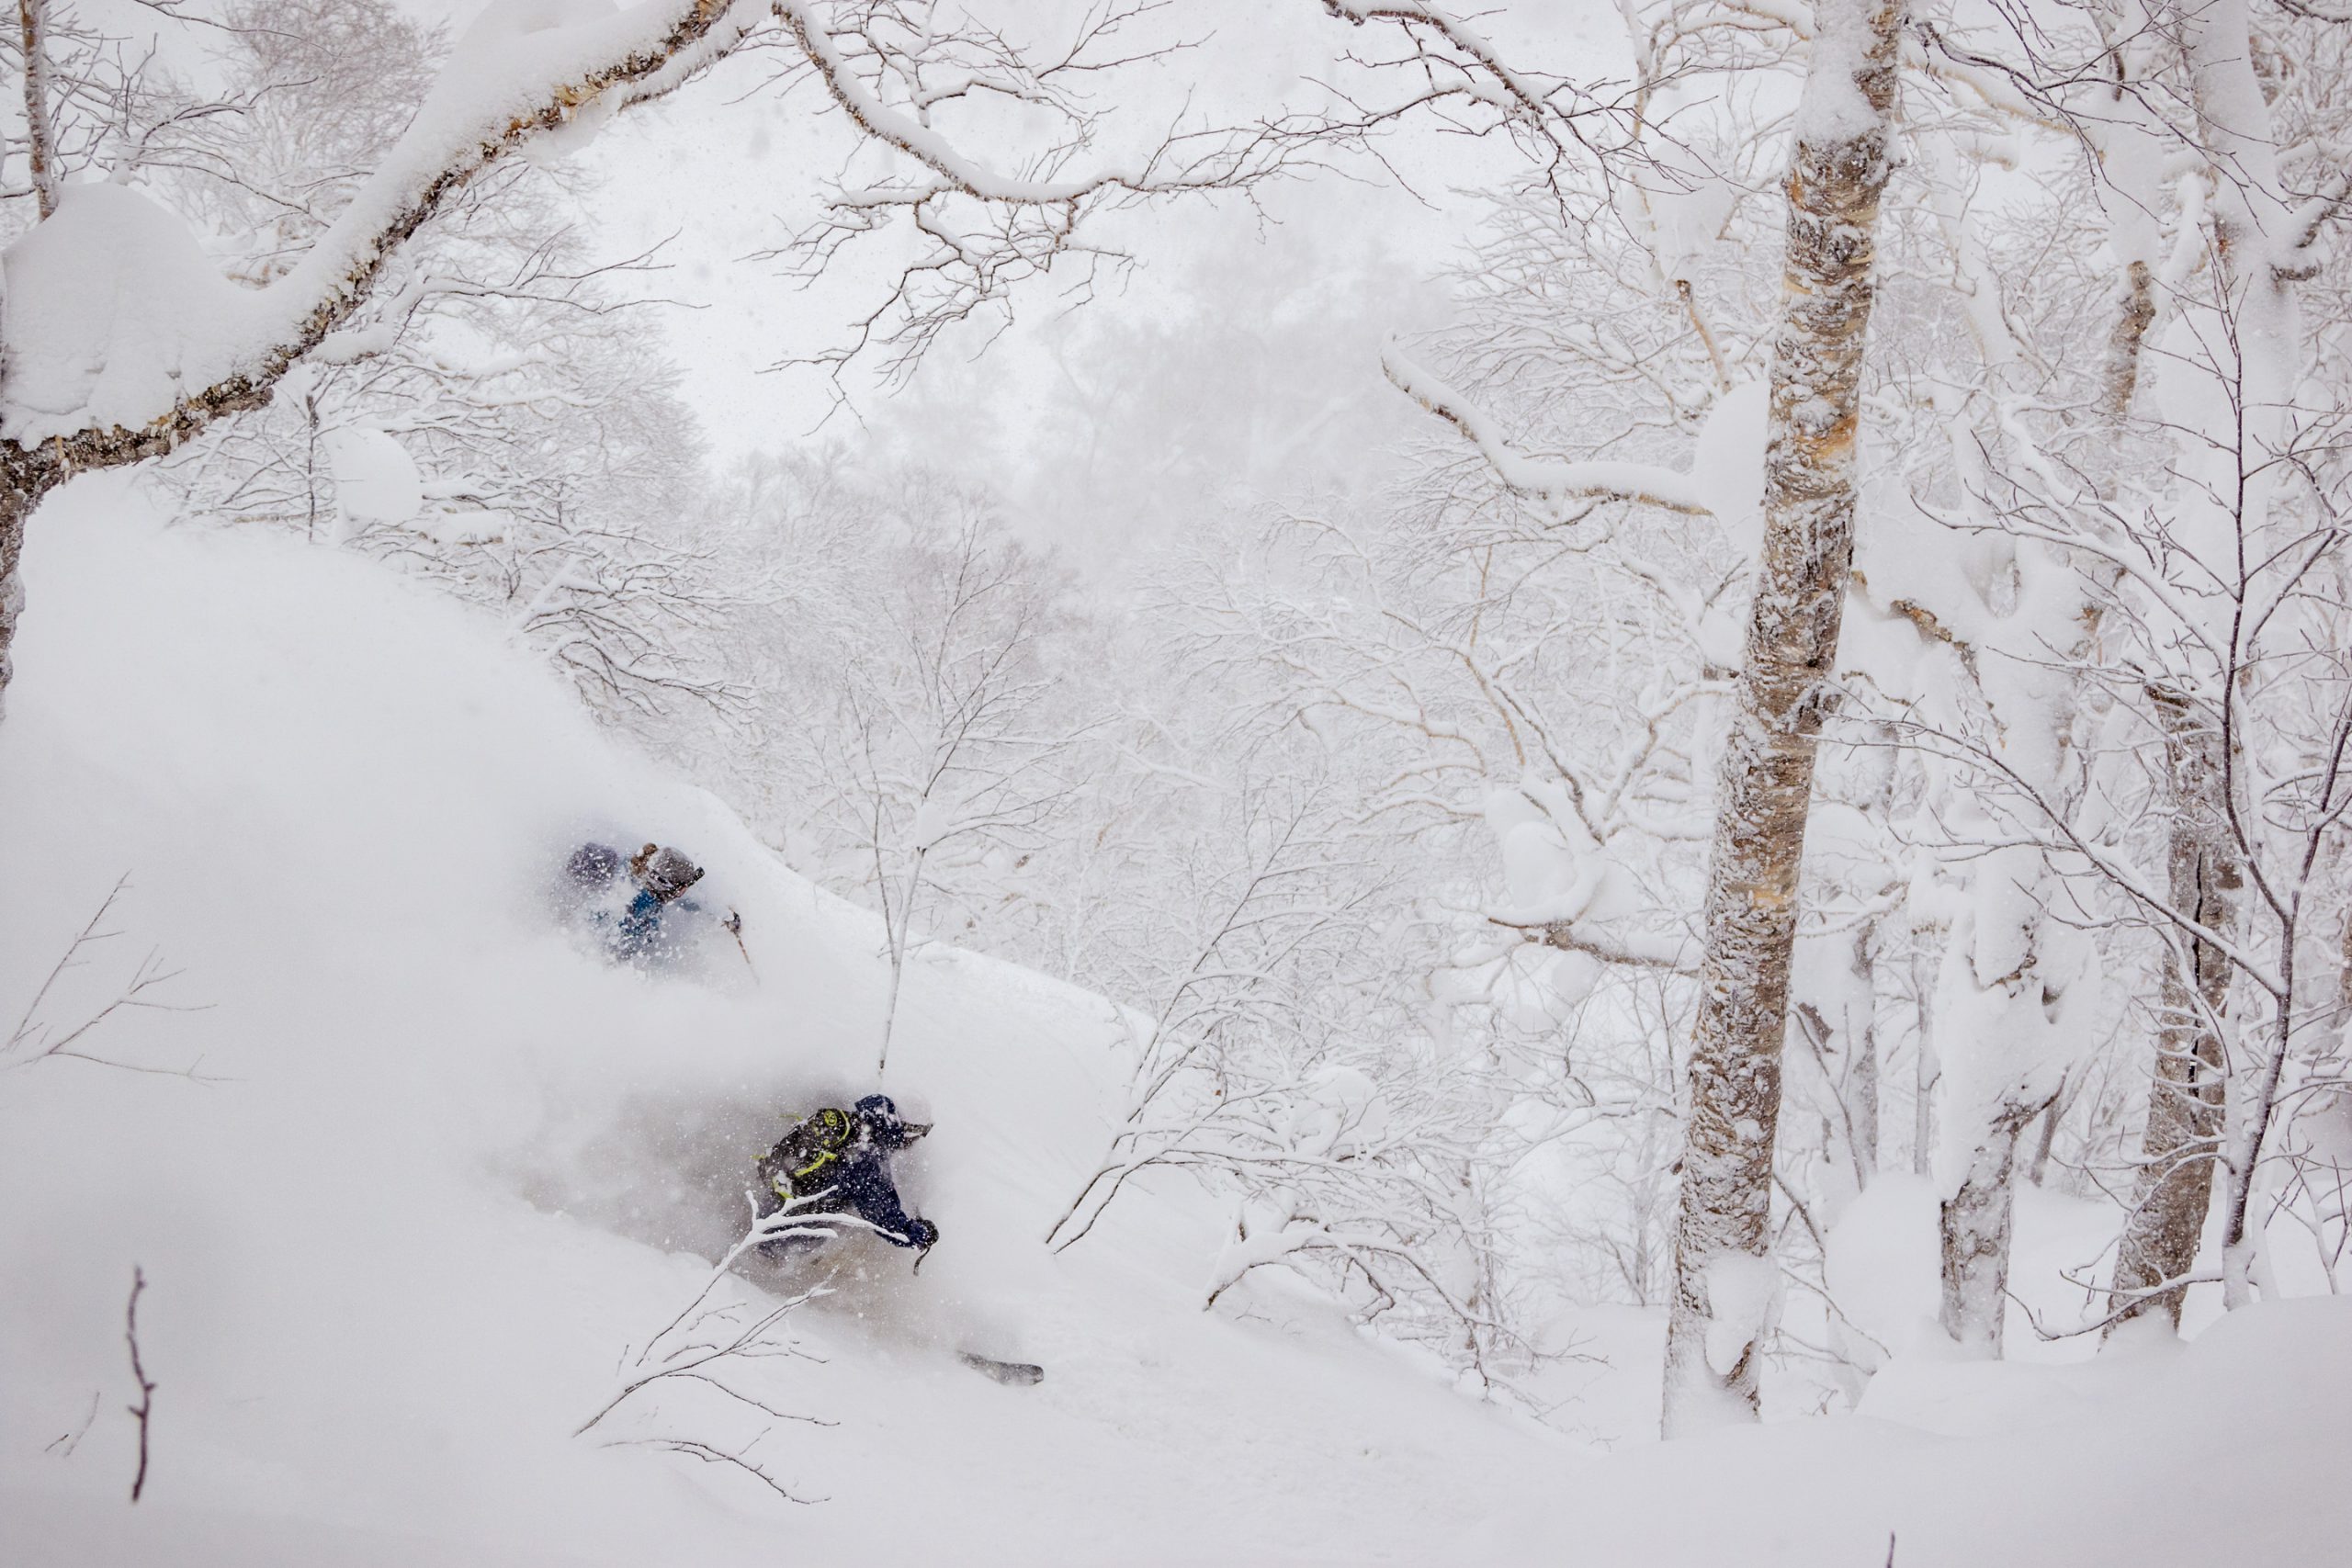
{"x": 406, "y": 1229}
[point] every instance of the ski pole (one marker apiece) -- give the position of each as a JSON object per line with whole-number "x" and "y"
{"x": 734, "y": 924}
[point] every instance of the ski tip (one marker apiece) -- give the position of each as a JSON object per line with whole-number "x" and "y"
{"x": 1017, "y": 1374}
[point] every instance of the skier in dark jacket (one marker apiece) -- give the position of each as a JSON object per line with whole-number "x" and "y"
{"x": 834, "y": 1162}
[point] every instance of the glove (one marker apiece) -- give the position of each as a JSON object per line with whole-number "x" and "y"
{"x": 922, "y": 1233}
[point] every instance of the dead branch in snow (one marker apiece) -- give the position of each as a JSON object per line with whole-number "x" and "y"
{"x": 33, "y": 1040}
{"x": 64, "y": 1443}
{"x": 706, "y": 1344}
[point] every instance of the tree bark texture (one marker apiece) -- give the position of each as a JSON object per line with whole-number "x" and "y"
{"x": 1723, "y": 1229}
{"x": 1975, "y": 1224}
{"x": 2137, "y": 313}
{"x": 40, "y": 136}
{"x": 1926, "y": 1069}
{"x": 2039, "y": 1166}
{"x": 17, "y": 503}
{"x": 2186, "y": 1088}
{"x": 1862, "y": 1098}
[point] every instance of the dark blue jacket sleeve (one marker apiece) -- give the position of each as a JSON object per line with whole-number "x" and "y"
{"x": 874, "y": 1198}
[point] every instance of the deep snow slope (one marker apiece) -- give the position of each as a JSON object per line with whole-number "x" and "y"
{"x": 445, "y": 1172}
{"x": 455, "y": 1163}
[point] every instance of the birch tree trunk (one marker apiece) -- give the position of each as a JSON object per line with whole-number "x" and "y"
{"x": 1724, "y": 1276}
{"x": 19, "y": 497}
{"x": 2186, "y": 1089}
{"x": 1863, "y": 1112}
{"x": 1926, "y": 1069}
{"x": 1973, "y": 1228}
{"x": 41, "y": 134}
{"x": 11, "y": 591}
{"x": 2135, "y": 312}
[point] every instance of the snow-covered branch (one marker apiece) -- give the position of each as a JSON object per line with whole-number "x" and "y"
{"x": 86, "y": 388}
{"x": 1539, "y": 479}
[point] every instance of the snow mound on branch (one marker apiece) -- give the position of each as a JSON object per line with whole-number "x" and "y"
{"x": 375, "y": 479}
{"x": 504, "y": 61}
{"x": 113, "y": 312}
{"x": 1728, "y": 463}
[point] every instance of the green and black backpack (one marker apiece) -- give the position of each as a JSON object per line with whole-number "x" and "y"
{"x": 804, "y": 1160}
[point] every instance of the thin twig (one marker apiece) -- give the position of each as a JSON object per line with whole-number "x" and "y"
{"x": 146, "y": 1405}
{"x": 72, "y": 1440}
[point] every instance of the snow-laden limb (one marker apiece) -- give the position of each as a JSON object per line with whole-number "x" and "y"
{"x": 1540, "y": 478}
{"x": 89, "y": 385}
{"x": 952, "y": 169}
{"x": 1485, "y": 75}
{"x": 979, "y": 230}
{"x": 120, "y": 341}
{"x": 483, "y": 422}
{"x": 1271, "y": 1244}
{"x": 1640, "y": 950}
{"x": 1449, "y": 67}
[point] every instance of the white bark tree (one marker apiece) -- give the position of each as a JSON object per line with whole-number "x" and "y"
{"x": 2153, "y": 603}
{"x": 1723, "y": 1285}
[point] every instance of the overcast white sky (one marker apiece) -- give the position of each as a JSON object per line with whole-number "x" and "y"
{"x": 1238, "y": 358}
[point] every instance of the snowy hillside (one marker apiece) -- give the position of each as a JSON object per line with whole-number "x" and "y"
{"x": 444, "y": 1171}
{"x": 1591, "y": 764}
{"x": 398, "y": 1241}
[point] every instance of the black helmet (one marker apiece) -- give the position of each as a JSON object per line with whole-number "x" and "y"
{"x": 893, "y": 1131}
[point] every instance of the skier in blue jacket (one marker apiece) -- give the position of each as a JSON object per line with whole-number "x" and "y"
{"x": 658, "y": 879}
{"x": 662, "y": 875}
